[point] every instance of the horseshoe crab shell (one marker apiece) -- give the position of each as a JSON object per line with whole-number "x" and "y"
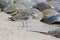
{"x": 28, "y": 14}
{"x": 52, "y": 18}
{"x": 48, "y": 11}
{"x": 42, "y": 6}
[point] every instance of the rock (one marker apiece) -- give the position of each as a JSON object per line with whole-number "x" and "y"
{"x": 55, "y": 33}
{"x": 42, "y": 6}
{"x": 52, "y": 18}
{"x": 49, "y": 11}
{"x": 13, "y": 8}
{"x": 5, "y": 3}
{"x": 56, "y": 4}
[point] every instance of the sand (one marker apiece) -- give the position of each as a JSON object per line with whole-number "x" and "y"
{"x": 13, "y": 30}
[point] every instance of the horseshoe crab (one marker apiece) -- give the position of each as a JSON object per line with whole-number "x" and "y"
{"x": 52, "y": 18}
{"x": 48, "y": 11}
{"x": 42, "y": 6}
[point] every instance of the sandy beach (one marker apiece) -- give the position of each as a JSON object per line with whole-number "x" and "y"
{"x": 13, "y": 30}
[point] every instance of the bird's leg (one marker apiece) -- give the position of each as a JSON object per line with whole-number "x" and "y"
{"x": 23, "y": 24}
{"x": 26, "y": 24}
